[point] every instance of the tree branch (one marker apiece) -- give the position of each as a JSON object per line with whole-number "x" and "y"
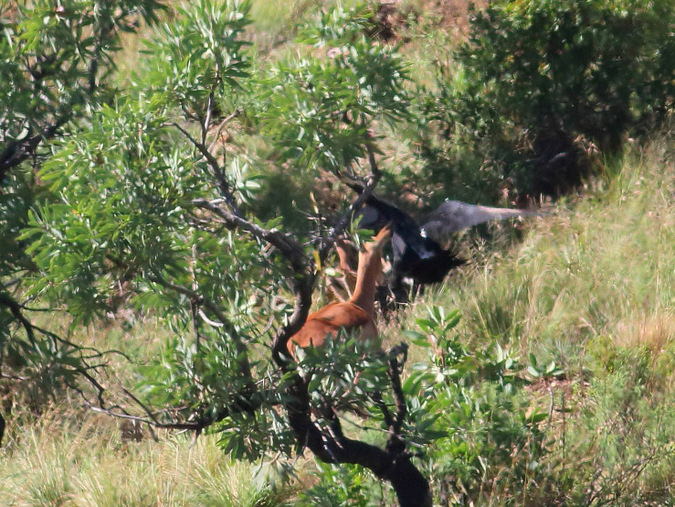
{"x": 15, "y": 308}
{"x": 222, "y": 124}
{"x": 395, "y": 366}
{"x": 104, "y": 28}
{"x": 303, "y": 286}
{"x": 19, "y": 150}
{"x": 391, "y": 464}
{"x": 369, "y": 186}
{"x": 238, "y": 403}
{"x": 288, "y": 247}
{"x": 303, "y": 278}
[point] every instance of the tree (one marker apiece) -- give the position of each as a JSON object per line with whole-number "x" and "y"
{"x": 147, "y": 196}
{"x": 539, "y": 90}
{"x": 56, "y": 59}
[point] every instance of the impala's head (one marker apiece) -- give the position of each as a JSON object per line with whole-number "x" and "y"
{"x": 370, "y": 270}
{"x": 378, "y": 242}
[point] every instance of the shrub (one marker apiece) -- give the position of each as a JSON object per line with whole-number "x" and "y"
{"x": 488, "y": 437}
{"x": 547, "y": 82}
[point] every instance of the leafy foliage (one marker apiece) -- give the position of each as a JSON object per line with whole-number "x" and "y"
{"x": 124, "y": 225}
{"x": 470, "y": 408}
{"x": 54, "y": 60}
{"x": 569, "y": 66}
{"x": 56, "y": 63}
{"x": 199, "y": 57}
{"x": 542, "y": 86}
{"x": 122, "y": 189}
{"x": 320, "y": 109}
{"x": 344, "y": 485}
{"x": 469, "y": 418}
{"x": 147, "y": 201}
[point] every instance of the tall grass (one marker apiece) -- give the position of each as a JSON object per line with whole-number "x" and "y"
{"x": 62, "y": 461}
{"x": 591, "y": 288}
{"x": 601, "y": 265}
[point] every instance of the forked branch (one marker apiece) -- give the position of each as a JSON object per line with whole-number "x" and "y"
{"x": 392, "y": 464}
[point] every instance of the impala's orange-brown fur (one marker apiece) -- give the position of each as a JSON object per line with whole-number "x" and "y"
{"x": 357, "y": 312}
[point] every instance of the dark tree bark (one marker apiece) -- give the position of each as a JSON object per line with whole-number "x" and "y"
{"x": 391, "y": 464}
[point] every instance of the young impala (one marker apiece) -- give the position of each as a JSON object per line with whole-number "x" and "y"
{"x": 355, "y": 313}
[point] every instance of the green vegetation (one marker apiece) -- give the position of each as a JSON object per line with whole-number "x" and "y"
{"x": 188, "y": 197}
{"x": 589, "y": 293}
{"x": 61, "y": 461}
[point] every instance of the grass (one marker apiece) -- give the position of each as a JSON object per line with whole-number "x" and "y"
{"x": 62, "y": 461}
{"x": 602, "y": 265}
{"x": 590, "y": 286}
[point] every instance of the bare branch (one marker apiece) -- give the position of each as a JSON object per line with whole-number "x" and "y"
{"x": 303, "y": 285}
{"x": 103, "y": 29}
{"x": 210, "y": 322}
{"x": 394, "y": 422}
{"x": 245, "y": 401}
{"x": 141, "y": 404}
{"x": 30, "y": 329}
{"x": 173, "y": 425}
{"x": 15, "y": 309}
{"x": 19, "y": 150}
{"x": 370, "y": 183}
{"x": 395, "y": 376}
{"x": 288, "y": 247}
{"x": 99, "y": 388}
{"x": 386, "y": 414}
{"x": 207, "y": 120}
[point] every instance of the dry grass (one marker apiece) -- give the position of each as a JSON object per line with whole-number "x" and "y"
{"x": 71, "y": 461}
{"x": 592, "y": 268}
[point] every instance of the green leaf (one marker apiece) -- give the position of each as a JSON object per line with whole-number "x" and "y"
{"x": 533, "y": 371}
{"x": 533, "y": 360}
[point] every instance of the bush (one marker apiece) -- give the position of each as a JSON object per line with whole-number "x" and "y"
{"x": 548, "y": 82}
{"x": 487, "y": 435}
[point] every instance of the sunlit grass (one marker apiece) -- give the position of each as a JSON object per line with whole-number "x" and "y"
{"x": 591, "y": 288}
{"x": 62, "y": 461}
{"x": 599, "y": 266}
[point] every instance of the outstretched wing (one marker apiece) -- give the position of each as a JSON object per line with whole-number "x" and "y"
{"x": 453, "y": 216}
{"x": 407, "y": 235}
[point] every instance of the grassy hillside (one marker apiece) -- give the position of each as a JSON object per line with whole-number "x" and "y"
{"x": 580, "y": 298}
{"x": 589, "y": 287}
{"x": 598, "y": 269}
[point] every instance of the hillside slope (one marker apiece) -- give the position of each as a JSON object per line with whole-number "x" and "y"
{"x": 590, "y": 287}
